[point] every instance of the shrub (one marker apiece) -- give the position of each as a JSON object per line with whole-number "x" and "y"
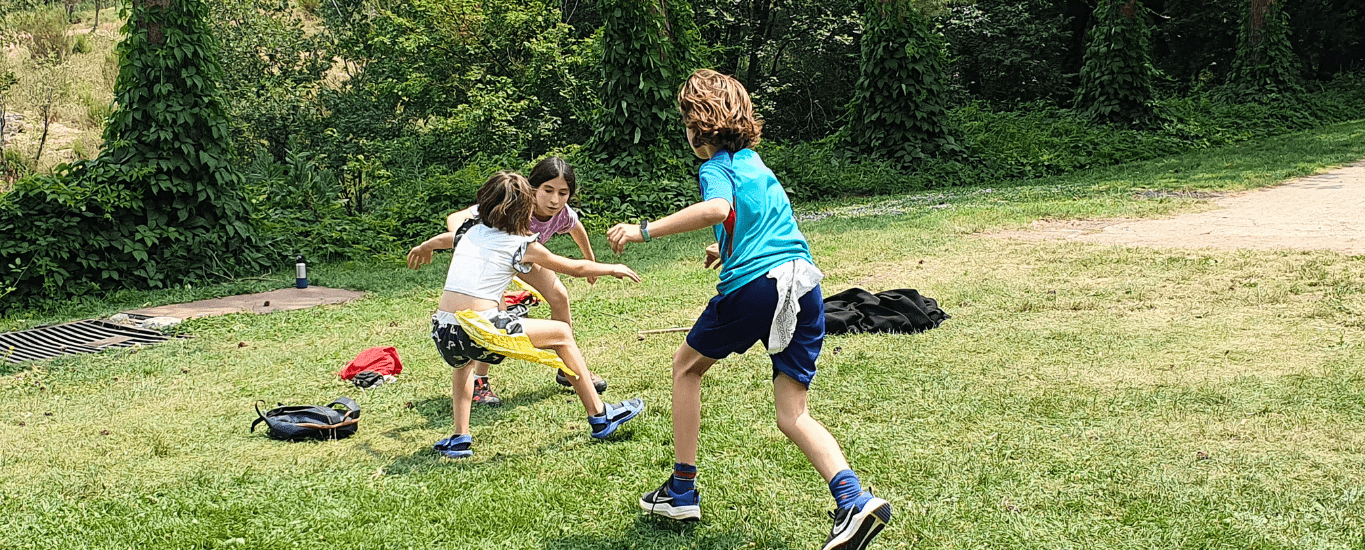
{"x": 96, "y": 111}
{"x": 47, "y": 31}
{"x": 81, "y": 44}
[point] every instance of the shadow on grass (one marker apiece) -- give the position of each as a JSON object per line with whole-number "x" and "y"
{"x": 436, "y": 410}
{"x": 656, "y": 532}
{"x": 425, "y": 459}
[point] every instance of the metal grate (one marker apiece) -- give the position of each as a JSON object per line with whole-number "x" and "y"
{"x": 72, "y": 338}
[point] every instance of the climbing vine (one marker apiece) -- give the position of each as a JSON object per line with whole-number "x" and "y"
{"x": 1266, "y": 66}
{"x": 161, "y": 204}
{"x": 648, "y": 49}
{"x": 899, "y": 107}
{"x": 1116, "y": 75}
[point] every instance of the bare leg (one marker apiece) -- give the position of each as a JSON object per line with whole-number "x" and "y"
{"x": 558, "y": 336}
{"x": 462, "y": 394}
{"x": 547, "y": 283}
{"x": 688, "y": 368}
{"x": 795, "y": 422}
{"x": 481, "y": 369}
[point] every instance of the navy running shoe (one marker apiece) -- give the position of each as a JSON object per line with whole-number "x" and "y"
{"x": 664, "y": 502}
{"x": 855, "y": 525}
{"x": 455, "y": 446}
{"x": 613, "y": 416}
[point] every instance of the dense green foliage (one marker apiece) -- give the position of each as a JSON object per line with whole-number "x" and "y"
{"x": 162, "y": 203}
{"x": 359, "y": 123}
{"x": 899, "y": 107}
{"x": 1008, "y": 52}
{"x": 1116, "y": 79}
{"x": 648, "y": 50}
{"x": 1265, "y": 66}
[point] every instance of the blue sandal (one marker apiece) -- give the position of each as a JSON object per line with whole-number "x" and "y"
{"x": 455, "y": 446}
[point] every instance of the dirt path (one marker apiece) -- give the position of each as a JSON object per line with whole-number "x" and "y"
{"x": 1326, "y": 211}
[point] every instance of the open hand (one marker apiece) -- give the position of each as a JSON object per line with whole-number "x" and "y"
{"x": 623, "y": 233}
{"x": 620, "y": 271}
{"x": 712, "y": 256}
{"x": 418, "y": 257}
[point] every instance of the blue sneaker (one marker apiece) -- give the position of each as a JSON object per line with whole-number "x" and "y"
{"x": 614, "y": 416}
{"x": 455, "y": 446}
{"x": 664, "y": 502}
{"x": 856, "y": 524}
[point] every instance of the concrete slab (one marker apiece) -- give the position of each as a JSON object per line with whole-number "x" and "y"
{"x": 265, "y": 302}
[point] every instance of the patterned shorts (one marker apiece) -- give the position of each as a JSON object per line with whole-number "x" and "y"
{"x": 455, "y": 345}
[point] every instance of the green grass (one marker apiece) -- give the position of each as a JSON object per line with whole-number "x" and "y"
{"x": 1064, "y": 405}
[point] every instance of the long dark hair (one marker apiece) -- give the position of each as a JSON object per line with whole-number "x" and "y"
{"x": 551, "y": 168}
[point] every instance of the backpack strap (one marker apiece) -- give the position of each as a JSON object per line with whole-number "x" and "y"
{"x": 351, "y": 406}
{"x": 259, "y": 417}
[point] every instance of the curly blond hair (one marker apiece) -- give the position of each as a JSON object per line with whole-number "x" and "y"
{"x": 717, "y": 109}
{"x": 505, "y": 203}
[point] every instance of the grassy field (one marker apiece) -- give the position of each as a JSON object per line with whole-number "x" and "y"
{"x": 1082, "y": 396}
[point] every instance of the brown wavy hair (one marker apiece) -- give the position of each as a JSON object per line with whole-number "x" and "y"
{"x": 505, "y": 203}
{"x": 717, "y": 109}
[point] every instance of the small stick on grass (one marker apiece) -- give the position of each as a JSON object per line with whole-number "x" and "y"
{"x": 663, "y": 330}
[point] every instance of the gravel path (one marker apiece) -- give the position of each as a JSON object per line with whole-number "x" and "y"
{"x": 1325, "y": 211}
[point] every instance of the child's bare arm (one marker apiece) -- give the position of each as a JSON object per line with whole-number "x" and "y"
{"x": 692, "y": 218}
{"x": 580, "y": 237}
{"x": 420, "y": 255}
{"x": 454, "y": 220}
{"x": 536, "y": 253}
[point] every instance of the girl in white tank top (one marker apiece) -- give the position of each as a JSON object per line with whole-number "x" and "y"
{"x": 483, "y": 265}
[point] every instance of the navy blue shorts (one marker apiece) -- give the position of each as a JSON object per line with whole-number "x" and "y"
{"x": 734, "y": 321}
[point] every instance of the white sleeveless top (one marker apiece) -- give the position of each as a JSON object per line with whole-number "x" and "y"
{"x": 485, "y": 261}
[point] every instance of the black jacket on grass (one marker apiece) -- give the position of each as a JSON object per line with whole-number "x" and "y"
{"x": 896, "y": 311}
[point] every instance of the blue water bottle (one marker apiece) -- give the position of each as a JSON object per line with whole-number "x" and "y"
{"x": 301, "y": 273}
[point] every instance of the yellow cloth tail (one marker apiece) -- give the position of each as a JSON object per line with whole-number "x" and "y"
{"x": 516, "y": 346}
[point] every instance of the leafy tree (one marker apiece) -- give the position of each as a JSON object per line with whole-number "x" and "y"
{"x": 1266, "y": 65}
{"x": 648, "y": 50}
{"x": 1328, "y": 35}
{"x": 899, "y": 107}
{"x": 161, "y": 204}
{"x": 1008, "y": 52}
{"x": 797, "y": 58}
{"x": 1116, "y": 77}
{"x": 447, "y": 80}
{"x": 273, "y": 71}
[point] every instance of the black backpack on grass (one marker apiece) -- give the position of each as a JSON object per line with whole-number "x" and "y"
{"x": 310, "y": 421}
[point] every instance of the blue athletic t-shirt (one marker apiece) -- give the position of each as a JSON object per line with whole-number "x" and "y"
{"x": 761, "y": 232}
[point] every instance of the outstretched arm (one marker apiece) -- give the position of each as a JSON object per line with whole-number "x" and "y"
{"x": 454, "y": 220}
{"x": 692, "y": 218}
{"x": 536, "y": 253}
{"x": 580, "y": 237}
{"x": 420, "y": 255}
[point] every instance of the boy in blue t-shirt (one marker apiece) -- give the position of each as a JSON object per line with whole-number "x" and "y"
{"x": 769, "y": 291}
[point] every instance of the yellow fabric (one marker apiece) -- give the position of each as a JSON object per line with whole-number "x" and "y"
{"x": 521, "y": 285}
{"x": 518, "y": 346}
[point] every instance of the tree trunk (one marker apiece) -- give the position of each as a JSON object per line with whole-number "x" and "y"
{"x": 761, "y": 15}
{"x": 1255, "y": 24}
{"x": 154, "y": 32}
